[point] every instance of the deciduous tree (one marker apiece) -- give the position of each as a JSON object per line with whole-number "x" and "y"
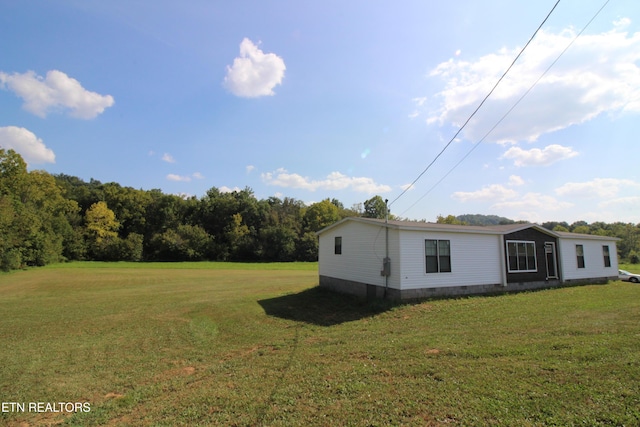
{"x": 320, "y": 215}
{"x": 449, "y": 219}
{"x": 375, "y": 207}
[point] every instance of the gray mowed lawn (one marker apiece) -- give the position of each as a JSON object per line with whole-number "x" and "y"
{"x": 260, "y": 344}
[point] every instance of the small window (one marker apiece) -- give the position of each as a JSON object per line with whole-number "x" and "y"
{"x": 580, "y": 255}
{"x": 521, "y": 256}
{"x": 437, "y": 256}
{"x": 338, "y": 245}
{"x": 607, "y": 257}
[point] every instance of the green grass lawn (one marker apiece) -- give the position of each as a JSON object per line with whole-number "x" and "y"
{"x": 237, "y": 344}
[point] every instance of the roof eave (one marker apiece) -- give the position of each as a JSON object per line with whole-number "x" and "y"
{"x": 469, "y": 229}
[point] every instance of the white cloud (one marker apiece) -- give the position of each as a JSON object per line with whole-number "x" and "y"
{"x": 612, "y": 210}
{"x": 168, "y": 158}
{"x": 515, "y": 181}
{"x": 610, "y": 200}
{"x": 530, "y": 206}
{"x": 334, "y": 181}
{"x": 55, "y": 92}
{"x": 599, "y": 187}
{"x": 538, "y": 157}
{"x": 487, "y": 193}
{"x": 250, "y": 168}
{"x": 407, "y": 187}
{"x": 254, "y": 73}
{"x": 27, "y": 144}
{"x": 420, "y": 101}
{"x": 622, "y": 23}
{"x": 419, "y": 104}
{"x": 178, "y": 178}
{"x": 632, "y": 202}
{"x": 225, "y": 189}
{"x": 184, "y": 178}
{"x": 533, "y": 201}
{"x": 598, "y": 74}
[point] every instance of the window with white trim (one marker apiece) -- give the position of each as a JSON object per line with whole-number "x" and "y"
{"x": 337, "y": 247}
{"x": 521, "y": 256}
{"x": 437, "y": 256}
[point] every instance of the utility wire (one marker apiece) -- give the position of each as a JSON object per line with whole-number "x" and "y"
{"x": 512, "y": 107}
{"x": 478, "y": 107}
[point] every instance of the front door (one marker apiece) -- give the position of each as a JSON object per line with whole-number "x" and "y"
{"x": 550, "y": 257}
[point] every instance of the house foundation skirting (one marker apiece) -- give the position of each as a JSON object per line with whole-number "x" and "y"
{"x": 359, "y": 289}
{"x": 370, "y": 291}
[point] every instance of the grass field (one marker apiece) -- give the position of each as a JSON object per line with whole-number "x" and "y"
{"x": 245, "y": 345}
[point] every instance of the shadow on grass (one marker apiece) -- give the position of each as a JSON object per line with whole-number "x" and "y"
{"x": 322, "y": 307}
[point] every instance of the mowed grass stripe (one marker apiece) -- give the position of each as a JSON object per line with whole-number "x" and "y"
{"x": 153, "y": 345}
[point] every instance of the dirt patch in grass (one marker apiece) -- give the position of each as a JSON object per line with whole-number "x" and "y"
{"x": 44, "y": 419}
{"x": 113, "y": 395}
{"x": 169, "y": 374}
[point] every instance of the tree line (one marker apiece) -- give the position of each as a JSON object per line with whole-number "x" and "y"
{"x": 48, "y": 218}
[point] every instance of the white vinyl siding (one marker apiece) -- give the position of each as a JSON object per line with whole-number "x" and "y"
{"x": 593, "y": 263}
{"x": 363, "y": 252}
{"x": 477, "y": 257}
{"x": 475, "y": 260}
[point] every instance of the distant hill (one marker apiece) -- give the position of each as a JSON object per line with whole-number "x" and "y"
{"x": 478, "y": 219}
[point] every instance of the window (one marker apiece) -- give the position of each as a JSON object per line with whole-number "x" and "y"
{"x": 522, "y": 256}
{"x": 437, "y": 256}
{"x": 431, "y": 253}
{"x": 444, "y": 255}
{"x": 607, "y": 257}
{"x": 580, "y": 255}
{"x": 338, "y": 245}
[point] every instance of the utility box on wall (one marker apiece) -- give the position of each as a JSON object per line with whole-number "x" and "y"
{"x": 386, "y": 267}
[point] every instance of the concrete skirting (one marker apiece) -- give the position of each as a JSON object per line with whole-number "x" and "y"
{"x": 594, "y": 281}
{"x": 359, "y": 289}
{"x": 369, "y": 291}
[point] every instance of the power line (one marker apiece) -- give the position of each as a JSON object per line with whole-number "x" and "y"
{"x": 512, "y": 107}
{"x": 478, "y": 107}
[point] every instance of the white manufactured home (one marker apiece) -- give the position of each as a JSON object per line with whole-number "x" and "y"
{"x": 405, "y": 260}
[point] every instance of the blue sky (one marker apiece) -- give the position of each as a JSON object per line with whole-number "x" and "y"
{"x": 337, "y": 99}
